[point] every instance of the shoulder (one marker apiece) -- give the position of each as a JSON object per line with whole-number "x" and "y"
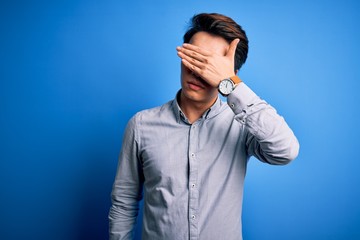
{"x": 151, "y": 121}
{"x": 153, "y": 114}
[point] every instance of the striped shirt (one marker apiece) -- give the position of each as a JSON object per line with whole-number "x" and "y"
{"x": 191, "y": 176}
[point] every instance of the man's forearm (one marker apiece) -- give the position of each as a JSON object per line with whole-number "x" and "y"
{"x": 270, "y": 138}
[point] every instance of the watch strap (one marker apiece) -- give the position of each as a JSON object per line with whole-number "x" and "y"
{"x": 236, "y": 80}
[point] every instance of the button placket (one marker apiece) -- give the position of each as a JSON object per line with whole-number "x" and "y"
{"x": 193, "y": 176}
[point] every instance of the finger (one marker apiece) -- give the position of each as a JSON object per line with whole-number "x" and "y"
{"x": 191, "y": 54}
{"x": 196, "y": 49}
{"x": 232, "y": 48}
{"x": 191, "y": 60}
{"x": 190, "y": 66}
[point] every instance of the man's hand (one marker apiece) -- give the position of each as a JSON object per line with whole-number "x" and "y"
{"x": 211, "y": 67}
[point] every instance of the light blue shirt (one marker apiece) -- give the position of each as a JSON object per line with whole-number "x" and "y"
{"x": 191, "y": 176}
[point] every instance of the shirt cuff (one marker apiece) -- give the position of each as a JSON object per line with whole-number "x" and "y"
{"x": 241, "y": 98}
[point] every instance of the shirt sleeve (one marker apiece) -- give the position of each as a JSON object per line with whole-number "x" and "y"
{"x": 127, "y": 188}
{"x": 268, "y": 137}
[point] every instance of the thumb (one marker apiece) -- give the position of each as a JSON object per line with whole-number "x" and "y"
{"x": 232, "y": 48}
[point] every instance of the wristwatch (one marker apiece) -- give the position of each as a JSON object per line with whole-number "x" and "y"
{"x": 228, "y": 85}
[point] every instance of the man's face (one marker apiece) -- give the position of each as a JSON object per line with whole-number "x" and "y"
{"x": 193, "y": 87}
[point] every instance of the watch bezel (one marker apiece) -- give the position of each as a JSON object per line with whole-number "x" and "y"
{"x": 228, "y": 90}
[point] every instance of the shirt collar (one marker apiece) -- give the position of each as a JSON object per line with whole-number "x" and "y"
{"x": 211, "y": 112}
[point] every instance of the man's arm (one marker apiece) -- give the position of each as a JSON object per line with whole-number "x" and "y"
{"x": 127, "y": 188}
{"x": 269, "y": 137}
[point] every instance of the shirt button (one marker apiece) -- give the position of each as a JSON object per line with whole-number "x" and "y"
{"x": 193, "y": 217}
{"x": 193, "y": 185}
{"x": 192, "y": 154}
{"x": 232, "y": 105}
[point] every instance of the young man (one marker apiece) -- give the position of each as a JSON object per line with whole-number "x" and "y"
{"x": 189, "y": 156}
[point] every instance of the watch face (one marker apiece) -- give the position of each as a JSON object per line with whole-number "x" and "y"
{"x": 226, "y": 86}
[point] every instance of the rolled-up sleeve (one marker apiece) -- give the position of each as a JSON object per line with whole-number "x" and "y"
{"x": 127, "y": 188}
{"x": 268, "y": 138}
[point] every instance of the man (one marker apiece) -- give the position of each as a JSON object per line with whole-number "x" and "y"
{"x": 188, "y": 157}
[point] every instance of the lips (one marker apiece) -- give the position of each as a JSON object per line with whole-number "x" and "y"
{"x": 195, "y": 86}
{"x": 198, "y": 82}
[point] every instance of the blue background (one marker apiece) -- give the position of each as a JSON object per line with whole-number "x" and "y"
{"x": 73, "y": 72}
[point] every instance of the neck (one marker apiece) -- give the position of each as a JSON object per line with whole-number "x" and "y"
{"x": 193, "y": 110}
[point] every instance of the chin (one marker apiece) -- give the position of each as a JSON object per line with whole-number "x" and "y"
{"x": 201, "y": 96}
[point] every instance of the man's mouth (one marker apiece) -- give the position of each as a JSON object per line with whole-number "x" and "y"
{"x": 195, "y": 86}
{"x": 198, "y": 80}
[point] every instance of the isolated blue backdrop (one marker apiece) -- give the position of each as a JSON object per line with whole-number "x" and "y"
{"x": 73, "y": 72}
